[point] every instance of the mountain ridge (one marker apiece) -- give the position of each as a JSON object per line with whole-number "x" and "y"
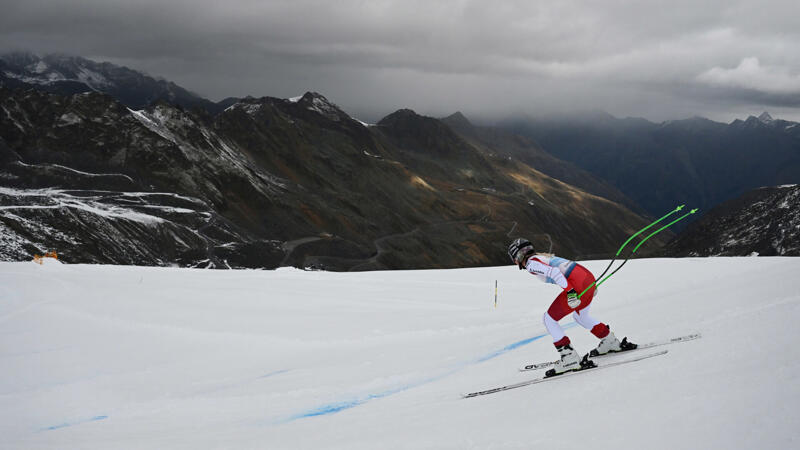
{"x": 695, "y": 161}
{"x": 66, "y": 74}
{"x": 283, "y": 183}
{"x": 763, "y": 221}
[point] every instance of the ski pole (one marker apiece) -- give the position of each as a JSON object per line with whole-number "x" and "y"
{"x": 665, "y": 226}
{"x": 596, "y": 283}
{"x": 626, "y": 243}
{"x": 645, "y": 228}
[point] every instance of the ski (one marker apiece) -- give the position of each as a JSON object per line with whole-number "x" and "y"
{"x": 688, "y": 337}
{"x": 564, "y": 375}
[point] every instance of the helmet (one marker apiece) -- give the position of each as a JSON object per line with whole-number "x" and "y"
{"x": 519, "y": 249}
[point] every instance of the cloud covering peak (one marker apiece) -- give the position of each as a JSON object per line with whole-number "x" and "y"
{"x": 717, "y": 58}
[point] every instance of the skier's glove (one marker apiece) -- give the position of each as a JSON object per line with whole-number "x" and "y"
{"x": 572, "y": 299}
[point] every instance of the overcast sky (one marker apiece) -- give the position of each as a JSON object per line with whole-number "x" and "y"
{"x": 659, "y": 60}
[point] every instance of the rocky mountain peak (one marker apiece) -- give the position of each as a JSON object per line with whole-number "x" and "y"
{"x": 415, "y": 132}
{"x": 314, "y": 101}
{"x": 408, "y": 121}
{"x": 752, "y": 122}
{"x": 756, "y": 121}
{"x": 458, "y": 121}
{"x": 765, "y": 117}
{"x": 400, "y": 116}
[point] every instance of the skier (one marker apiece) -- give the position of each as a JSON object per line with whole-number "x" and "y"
{"x": 573, "y": 278}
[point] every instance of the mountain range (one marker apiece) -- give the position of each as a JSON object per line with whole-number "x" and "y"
{"x": 510, "y": 145}
{"x": 108, "y": 165}
{"x": 263, "y": 182}
{"x": 695, "y": 161}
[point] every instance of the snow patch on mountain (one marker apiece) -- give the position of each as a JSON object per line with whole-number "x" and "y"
{"x": 93, "y": 79}
{"x": 69, "y": 119}
{"x": 12, "y": 243}
{"x": 317, "y": 103}
{"x": 59, "y": 198}
{"x": 13, "y": 119}
{"x": 153, "y": 125}
{"x": 35, "y": 227}
{"x": 39, "y": 67}
{"x": 164, "y": 194}
{"x": 174, "y": 126}
{"x": 248, "y": 108}
{"x": 75, "y": 171}
{"x": 41, "y": 73}
{"x": 322, "y": 106}
{"x": 44, "y": 78}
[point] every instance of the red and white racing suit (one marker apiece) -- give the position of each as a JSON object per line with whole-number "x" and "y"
{"x": 568, "y": 275}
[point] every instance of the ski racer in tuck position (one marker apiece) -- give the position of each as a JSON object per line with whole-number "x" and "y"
{"x": 573, "y": 278}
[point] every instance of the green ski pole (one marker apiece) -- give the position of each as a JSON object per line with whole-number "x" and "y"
{"x": 629, "y": 239}
{"x": 640, "y": 244}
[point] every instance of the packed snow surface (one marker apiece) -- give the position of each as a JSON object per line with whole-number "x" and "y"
{"x": 109, "y": 357}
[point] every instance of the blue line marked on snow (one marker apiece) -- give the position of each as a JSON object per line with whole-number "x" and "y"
{"x": 71, "y": 424}
{"x": 516, "y": 345}
{"x": 332, "y": 408}
{"x": 272, "y": 374}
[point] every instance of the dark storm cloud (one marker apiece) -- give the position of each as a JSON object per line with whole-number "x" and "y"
{"x": 658, "y": 59}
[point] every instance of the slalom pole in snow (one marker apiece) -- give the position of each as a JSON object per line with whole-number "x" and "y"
{"x": 495, "y": 294}
{"x": 602, "y": 280}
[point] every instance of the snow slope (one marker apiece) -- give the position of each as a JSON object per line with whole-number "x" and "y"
{"x": 113, "y": 357}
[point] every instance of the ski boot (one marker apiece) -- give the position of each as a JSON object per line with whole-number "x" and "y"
{"x": 570, "y": 361}
{"x": 610, "y": 344}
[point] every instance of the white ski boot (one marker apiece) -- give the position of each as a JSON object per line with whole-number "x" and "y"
{"x": 570, "y": 360}
{"x": 609, "y": 343}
